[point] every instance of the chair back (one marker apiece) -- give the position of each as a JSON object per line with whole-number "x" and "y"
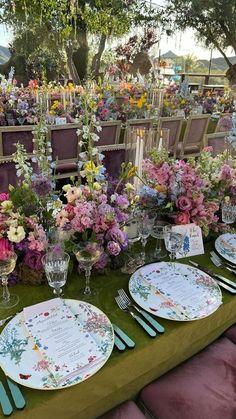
{"x": 65, "y": 149}
{"x": 110, "y": 133}
{"x": 114, "y": 156}
{"x": 216, "y": 141}
{"x": 140, "y": 123}
{"x": 12, "y": 135}
{"x": 193, "y": 140}
{"x": 174, "y": 124}
{"x": 9, "y": 136}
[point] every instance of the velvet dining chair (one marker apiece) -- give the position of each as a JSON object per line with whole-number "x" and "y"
{"x": 174, "y": 124}
{"x": 110, "y": 133}
{"x": 65, "y": 149}
{"x": 217, "y": 141}
{"x": 114, "y": 156}
{"x": 193, "y": 140}
{"x": 9, "y": 136}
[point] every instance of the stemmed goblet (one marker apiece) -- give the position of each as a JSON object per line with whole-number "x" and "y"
{"x": 228, "y": 212}
{"x": 56, "y": 268}
{"x": 158, "y": 231}
{"x": 145, "y": 226}
{"x": 7, "y": 265}
{"x": 173, "y": 242}
{"x": 87, "y": 255}
{"x": 131, "y": 228}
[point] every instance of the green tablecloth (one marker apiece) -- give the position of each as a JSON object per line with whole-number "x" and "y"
{"x": 125, "y": 373}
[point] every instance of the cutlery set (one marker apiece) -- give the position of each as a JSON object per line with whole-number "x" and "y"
{"x": 223, "y": 282}
{"x": 125, "y": 304}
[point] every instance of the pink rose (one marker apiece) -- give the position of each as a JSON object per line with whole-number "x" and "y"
{"x": 182, "y": 218}
{"x": 5, "y": 249}
{"x": 4, "y": 196}
{"x": 183, "y": 203}
{"x": 33, "y": 259}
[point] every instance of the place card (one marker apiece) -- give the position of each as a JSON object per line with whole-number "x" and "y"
{"x": 193, "y": 243}
{"x": 65, "y": 348}
{"x": 60, "y": 121}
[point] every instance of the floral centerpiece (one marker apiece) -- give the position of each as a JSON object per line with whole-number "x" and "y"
{"x": 189, "y": 191}
{"x": 93, "y": 212}
{"x": 25, "y": 213}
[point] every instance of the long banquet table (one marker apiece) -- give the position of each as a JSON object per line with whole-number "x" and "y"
{"x": 125, "y": 373}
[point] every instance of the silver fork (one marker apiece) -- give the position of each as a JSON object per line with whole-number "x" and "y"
{"x": 220, "y": 264}
{"x": 123, "y": 306}
{"x": 157, "y": 326}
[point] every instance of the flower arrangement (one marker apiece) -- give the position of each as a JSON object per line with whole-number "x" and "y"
{"x": 190, "y": 191}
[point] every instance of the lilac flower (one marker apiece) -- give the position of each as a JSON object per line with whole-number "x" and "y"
{"x": 41, "y": 186}
{"x": 113, "y": 248}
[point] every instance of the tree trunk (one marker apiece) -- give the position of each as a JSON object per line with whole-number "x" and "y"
{"x": 97, "y": 57}
{"x": 231, "y": 74}
{"x": 80, "y": 56}
{"x": 73, "y": 75}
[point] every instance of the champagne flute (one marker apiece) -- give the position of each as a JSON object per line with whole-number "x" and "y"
{"x": 56, "y": 268}
{"x": 6, "y": 267}
{"x": 87, "y": 255}
{"x": 145, "y": 226}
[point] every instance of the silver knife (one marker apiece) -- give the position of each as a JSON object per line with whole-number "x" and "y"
{"x": 216, "y": 276}
{"x": 122, "y": 335}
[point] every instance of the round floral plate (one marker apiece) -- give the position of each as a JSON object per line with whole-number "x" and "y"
{"x": 226, "y": 246}
{"x": 21, "y": 360}
{"x": 175, "y": 291}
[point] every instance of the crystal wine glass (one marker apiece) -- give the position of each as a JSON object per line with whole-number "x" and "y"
{"x": 145, "y": 226}
{"x": 173, "y": 242}
{"x": 87, "y": 255}
{"x": 158, "y": 232}
{"x": 228, "y": 212}
{"x": 131, "y": 228}
{"x": 56, "y": 268}
{"x": 6, "y": 267}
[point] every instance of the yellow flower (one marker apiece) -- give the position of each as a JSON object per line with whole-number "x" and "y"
{"x": 7, "y": 205}
{"x": 91, "y": 167}
{"x": 97, "y": 186}
{"x": 132, "y": 171}
{"x": 66, "y": 187}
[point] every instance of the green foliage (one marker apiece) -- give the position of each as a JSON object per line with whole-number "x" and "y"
{"x": 213, "y": 20}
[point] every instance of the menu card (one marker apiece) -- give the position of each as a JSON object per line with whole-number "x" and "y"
{"x": 180, "y": 289}
{"x": 193, "y": 243}
{"x": 64, "y": 345}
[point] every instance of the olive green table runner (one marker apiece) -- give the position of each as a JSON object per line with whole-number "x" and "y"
{"x": 125, "y": 373}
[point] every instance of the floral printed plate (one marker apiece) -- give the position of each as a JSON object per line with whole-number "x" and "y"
{"x": 20, "y": 358}
{"x": 175, "y": 291}
{"x": 226, "y": 246}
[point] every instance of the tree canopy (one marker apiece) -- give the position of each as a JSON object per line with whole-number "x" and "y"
{"x": 63, "y": 26}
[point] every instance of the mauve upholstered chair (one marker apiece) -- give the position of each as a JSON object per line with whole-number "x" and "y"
{"x": 203, "y": 387}
{"x": 174, "y": 124}
{"x": 114, "y": 156}
{"x": 231, "y": 333}
{"x": 12, "y": 135}
{"x": 216, "y": 141}
{"x": 65, "y": 149}
{"x": 193, "y": 140}
{"x": 110, "y": 133}
{"x": 126, "y": 410}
